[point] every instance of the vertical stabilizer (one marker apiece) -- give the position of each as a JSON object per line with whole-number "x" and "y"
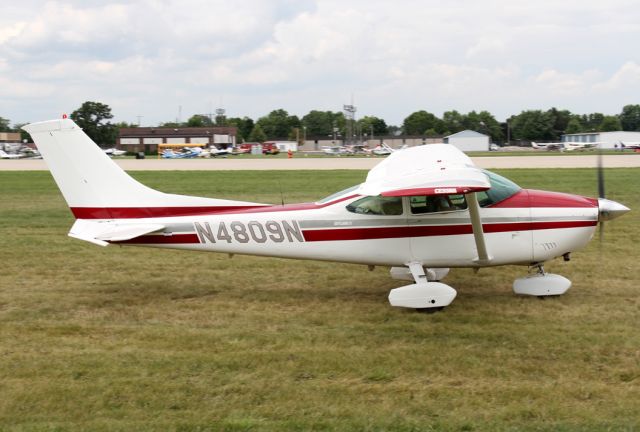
{"x": 95, "y": 187}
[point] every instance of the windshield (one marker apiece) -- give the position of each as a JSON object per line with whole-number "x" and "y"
{"x": 501, "y": 189}
{"x": 338, "y": 194}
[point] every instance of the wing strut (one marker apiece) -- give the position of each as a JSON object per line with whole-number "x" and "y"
{"x": 478, "y": 233}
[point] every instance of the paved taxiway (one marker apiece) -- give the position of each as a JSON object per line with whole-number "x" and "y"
{"x": 304, "y": 163}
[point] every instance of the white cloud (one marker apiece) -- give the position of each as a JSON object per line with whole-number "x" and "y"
{"x": 148, "y": 57}
{"x": 627, "y": 78}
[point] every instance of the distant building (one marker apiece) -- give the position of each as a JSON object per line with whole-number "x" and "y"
{"x": 9, "y": 137}
{"x": 146, "y": 139}
{"x": 468, "y": 140}
{"x": 605, "y": 139}
{"x": 394, "y": 141}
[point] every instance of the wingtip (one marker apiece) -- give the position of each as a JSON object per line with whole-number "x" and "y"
{"x": 49, "y": 125}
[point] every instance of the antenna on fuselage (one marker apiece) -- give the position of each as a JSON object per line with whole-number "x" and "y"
{"x": 281, "y": 194}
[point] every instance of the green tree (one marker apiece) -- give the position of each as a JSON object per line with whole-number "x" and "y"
{"x": 483, "y": 122}
{"x": 630, "y": 118}
{"x": 419, "y": 122}
{"x": 244, "y": 126}
{"x": 453, "y": 121}
{"x": 560, "y": 120}
{"x": 123, "y": 125}
{"x": 610, "y": 123}
{"x": 394, "y": 130}
{"x": 257, "y": 134}
{"x": 368, "y": 124}
{"x": 591, "y": 122}
{"x": 92, "y": 118}
{"x": 199, "y": 120}
{"x": 321, "y": 123}
{"x": 4, "y": 125}
{"x": 532, "y": 125}
{"x": 574, "y": 125}
{"x": 278, "y": 123}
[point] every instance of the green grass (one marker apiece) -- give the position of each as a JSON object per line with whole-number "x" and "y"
{"x": 140, "y": 339}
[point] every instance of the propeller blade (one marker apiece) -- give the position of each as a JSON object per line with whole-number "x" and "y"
{"x": 601, "y": 193}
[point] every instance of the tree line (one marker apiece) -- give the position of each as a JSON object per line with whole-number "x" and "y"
{"x": 529, "y": 125}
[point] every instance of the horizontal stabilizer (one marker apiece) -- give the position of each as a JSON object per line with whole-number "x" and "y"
{"x": 101, "y": 233}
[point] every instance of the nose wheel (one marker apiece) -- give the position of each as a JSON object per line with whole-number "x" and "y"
{"x": 541, "y": 284}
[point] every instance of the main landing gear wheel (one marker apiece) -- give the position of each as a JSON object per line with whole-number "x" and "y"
{"x": 422, "y": 295}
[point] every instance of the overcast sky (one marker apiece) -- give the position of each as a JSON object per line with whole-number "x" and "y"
{"x": 148, "y": 58}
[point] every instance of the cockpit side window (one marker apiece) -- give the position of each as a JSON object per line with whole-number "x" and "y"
{"x": 437, "y": 203}
{"x": 377, "y": 205}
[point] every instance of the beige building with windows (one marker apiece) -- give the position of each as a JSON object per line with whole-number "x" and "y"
{"x": 146, "y": 139}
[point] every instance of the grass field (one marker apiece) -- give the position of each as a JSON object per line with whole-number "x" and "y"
{"x": 139, "y": 339}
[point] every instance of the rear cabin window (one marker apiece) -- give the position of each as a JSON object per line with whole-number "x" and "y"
{"x": 377, "y": 205}
{"x": 437, "y": 203}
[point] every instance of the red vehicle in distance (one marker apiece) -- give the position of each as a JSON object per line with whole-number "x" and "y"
{"x": 268, "y": 148}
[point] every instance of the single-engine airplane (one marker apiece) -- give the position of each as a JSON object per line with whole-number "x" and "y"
{"x": 5, "y": 155}
{"x": 565, "y": 145}
{"x": 420, "y": 211}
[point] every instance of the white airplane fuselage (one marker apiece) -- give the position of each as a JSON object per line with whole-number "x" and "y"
{"x": 531, "y": 226}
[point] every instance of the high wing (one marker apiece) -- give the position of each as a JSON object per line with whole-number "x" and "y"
{"x": 433, "y": 169}
{"x": 102, "y": 232}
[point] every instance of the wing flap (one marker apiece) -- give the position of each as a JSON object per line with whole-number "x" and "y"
{"x": 101, "y": 233}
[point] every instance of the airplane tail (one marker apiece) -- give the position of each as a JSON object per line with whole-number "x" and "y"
{"x": 95, "y": 187}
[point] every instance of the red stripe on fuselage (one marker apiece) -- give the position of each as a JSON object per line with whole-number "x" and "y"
{"x": 162, "y": 239}
{"x": 151, "y": 212}
{"x": 345, "y": 234}
{"x": 338, "y": 234}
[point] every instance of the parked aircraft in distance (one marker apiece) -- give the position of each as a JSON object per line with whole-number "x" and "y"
{"x": 420, "y": 211}
{"x": 334, "y": 150}
{"x": 382, "y": 150}
{"x": 115, "y": 152}
{"x": 5, "y": 155}
{"x": 564, "y": 146}
{"x": 633, "y": 145}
